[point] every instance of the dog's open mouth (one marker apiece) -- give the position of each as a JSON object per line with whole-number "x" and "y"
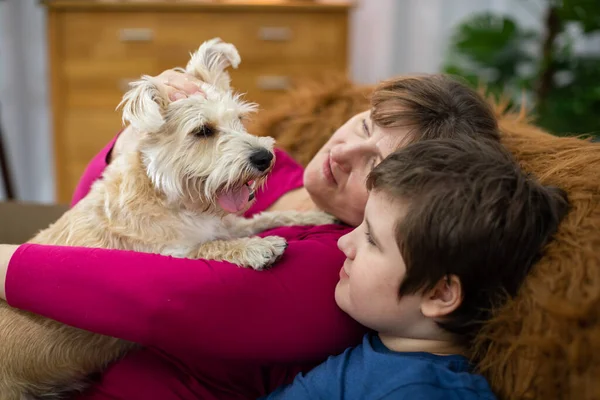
{"x": 234, "y": 200}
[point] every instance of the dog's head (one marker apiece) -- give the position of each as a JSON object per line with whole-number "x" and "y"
{"x": 196, "y": 150}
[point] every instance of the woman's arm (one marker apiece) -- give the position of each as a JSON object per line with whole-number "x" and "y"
{"x": 194, "y": 308}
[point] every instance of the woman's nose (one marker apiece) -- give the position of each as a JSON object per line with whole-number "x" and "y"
{"x": 346, "y": 154}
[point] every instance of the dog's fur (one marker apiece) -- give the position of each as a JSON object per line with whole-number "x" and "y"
{"x": 162, "y": 198}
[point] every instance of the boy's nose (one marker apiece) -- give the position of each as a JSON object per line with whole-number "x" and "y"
{"x": 344, "y": 244}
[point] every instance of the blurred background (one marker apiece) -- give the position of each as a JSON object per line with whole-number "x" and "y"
{"x": 65, "y": 64}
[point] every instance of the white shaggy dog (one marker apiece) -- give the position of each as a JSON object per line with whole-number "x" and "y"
{"x": 178, "y": 194}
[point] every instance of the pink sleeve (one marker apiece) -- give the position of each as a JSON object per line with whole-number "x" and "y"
{"x": 92, "y": 172}
{"x": 195, "y": 308}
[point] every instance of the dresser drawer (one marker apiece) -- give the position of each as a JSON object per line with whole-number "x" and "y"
{"x": 264, "y": 84}
{"x": 85, "y": 89}
{"x": 261, "y": 38}
{"x": 96, "y": 69}
{"x": 108, "y": 38}
{"x": 260, "y": 84}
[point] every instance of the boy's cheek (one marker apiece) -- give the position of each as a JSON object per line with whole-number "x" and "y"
{"x": 352, "y": 302}
{"x": 341, "y": 295}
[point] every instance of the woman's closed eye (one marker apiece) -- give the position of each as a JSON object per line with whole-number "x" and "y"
{"x": 367, "y": 133}
{"x": 366, "y": 128}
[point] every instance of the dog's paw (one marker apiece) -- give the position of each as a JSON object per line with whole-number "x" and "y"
{"x": 316, "y": 218}
{"x": 262, "y": 253}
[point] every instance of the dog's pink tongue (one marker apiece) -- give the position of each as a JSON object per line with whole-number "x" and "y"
{"x": 234, "y": 200}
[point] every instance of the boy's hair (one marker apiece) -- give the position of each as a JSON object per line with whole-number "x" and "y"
{"x": 472, "y": 212}
{"x": 433, "y": 107}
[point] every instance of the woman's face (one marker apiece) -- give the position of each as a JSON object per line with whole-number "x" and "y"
{"x": 335, "y": 178}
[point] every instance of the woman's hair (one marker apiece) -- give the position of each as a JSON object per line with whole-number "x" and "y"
{"x": 473, "y": 213}
{"x": 433, "y": 107}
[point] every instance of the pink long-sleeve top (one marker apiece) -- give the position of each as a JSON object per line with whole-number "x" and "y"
{"x": 210, "y": 330}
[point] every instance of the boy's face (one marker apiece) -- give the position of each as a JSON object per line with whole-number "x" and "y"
{"x": 374, "y": 269}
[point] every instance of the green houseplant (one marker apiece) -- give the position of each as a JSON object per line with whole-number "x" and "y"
{"x": 561, "y": 86}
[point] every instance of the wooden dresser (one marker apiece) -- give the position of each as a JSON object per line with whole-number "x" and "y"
{"x": 97, "y": 47}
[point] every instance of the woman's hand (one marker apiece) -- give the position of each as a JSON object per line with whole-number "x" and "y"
{"x": 178, "y": 85}
{"x": 6, "y": 252}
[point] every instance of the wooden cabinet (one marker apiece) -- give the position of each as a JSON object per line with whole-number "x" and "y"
{"x": 97, "y": 47}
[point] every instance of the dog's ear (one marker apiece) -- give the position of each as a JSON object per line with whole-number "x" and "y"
{"x": 210, "y": 61}
{"x": 144, "y": 105}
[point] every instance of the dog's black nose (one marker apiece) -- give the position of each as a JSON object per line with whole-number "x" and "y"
{"x": 261, "y": 159}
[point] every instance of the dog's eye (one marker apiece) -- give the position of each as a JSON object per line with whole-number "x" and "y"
{"x": 205, "y": 130}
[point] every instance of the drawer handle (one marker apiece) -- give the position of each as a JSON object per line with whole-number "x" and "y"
{"x": 273, "y": 82}
{"x": 275, "y": 34}
{"x": 136, "y": 35}
{"x": 125, "y": 84}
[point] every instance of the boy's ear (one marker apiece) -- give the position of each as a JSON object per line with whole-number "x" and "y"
{"x": 144, "y": 105}
{"x": 443, "y": 299}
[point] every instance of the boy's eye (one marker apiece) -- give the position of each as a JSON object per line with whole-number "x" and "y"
{"x": 369, "y": 238}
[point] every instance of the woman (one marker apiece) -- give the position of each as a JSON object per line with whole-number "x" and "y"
{"x": 212, "y": 330}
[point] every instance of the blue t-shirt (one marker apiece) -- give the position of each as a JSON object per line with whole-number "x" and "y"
{"x": 371, "y": 371}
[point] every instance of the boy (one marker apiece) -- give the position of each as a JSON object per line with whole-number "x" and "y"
{"x": 451, "y": 229}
